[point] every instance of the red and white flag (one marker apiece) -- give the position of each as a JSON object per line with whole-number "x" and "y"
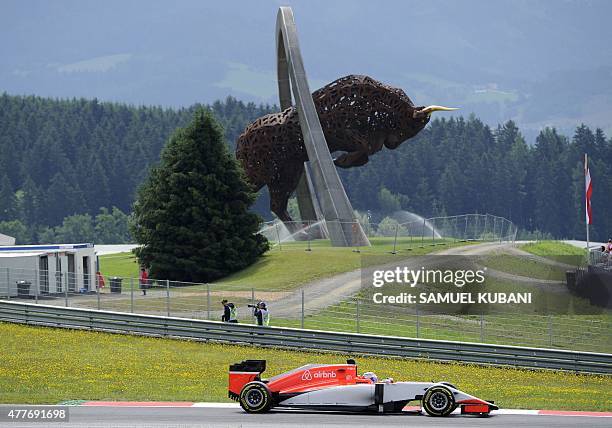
{"x": 588, "y": 189}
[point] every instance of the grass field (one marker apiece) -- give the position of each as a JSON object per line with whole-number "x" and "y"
{"x": 45, "y": 365}
{"x": 524, "y": 267}
{"x": 123, "y": 265}
{"x": 291, "y": 266}
{"x": 556, "y": 250}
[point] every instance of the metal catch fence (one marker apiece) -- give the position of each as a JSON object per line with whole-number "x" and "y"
{"x": 347, "y": 310}
{"x": 402, "y": 230}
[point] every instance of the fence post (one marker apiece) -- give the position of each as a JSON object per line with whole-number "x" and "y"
{"x": 8, "y": 284}
{"x": 302, "y": 323}
{"x": 550, "y": 331}
{"x": 37, "y": 284}
{"x": 357, "y": 313}
{"x": 354, "y": 227}
{"x": 97, "y": 290}
{"x": 409, "y": 230}
{"x": 465, "y": 231}
{"x": 494, "y": 228}
{"x": 423, "y": 234}
{"x": 482, "y": 321}
{"x": 168, "y": 297}
{"x": 280, "y": 247}
{"x": 433, "y": 232}
{"x": 132, "y": 295}
{"x": 485, "y": 226}
{"x": 65, "y": 288}
{"x": 308, "y": 230}
{"x": 395, "y": 240}
{"x": 253, "y": 300}
{"x": 208, "y": 302}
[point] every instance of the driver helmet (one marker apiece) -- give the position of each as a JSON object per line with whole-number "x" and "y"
{"x": 372, "y": 376}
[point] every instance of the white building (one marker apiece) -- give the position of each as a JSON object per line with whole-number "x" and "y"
{"x": 49, "y": 269}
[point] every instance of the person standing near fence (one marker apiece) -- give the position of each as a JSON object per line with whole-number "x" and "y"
{"x": 229, "y": 312}
{"x": 261, "y": 314}
{"x": 144, "y": 280}
{"x": 100, "y": 281}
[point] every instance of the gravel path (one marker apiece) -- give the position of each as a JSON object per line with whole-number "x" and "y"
{"x": 329, "y": 291}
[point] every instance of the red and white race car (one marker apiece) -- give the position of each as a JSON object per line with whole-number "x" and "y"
{"x": 338, "y": 387}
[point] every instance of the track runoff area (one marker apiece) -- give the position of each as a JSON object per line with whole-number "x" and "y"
{"x": 104, "y": 413}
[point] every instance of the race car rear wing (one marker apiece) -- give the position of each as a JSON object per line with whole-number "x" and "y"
{"x": 242, "y": 373}
{"x": 258, "y": 366}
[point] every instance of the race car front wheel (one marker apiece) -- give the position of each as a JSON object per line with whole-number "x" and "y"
{"x": 255, "y": 397}
{"x": 439, "y": 401}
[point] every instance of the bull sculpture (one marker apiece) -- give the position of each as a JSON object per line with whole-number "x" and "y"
{"x": 359, "y": 116}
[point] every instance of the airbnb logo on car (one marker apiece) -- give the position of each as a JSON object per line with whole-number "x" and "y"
{"x": 318, "y": 375}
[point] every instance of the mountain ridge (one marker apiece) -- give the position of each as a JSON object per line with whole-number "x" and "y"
{"x": 536, "y": 62}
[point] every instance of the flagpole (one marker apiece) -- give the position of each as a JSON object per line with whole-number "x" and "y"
{"x": 586, "y": 201}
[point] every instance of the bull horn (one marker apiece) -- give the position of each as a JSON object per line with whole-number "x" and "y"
{"x": 431, "y": 109}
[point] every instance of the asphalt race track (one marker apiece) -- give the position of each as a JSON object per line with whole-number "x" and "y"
{"x": 233, "y": 417}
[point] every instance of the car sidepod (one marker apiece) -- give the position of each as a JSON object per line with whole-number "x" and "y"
{"x": 358, "y": 397}
{"x": 379, "y": 397}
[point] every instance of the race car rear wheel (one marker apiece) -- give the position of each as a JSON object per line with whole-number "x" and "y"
{"x": 438, "y": 401}
{"x": 255, "y": 397}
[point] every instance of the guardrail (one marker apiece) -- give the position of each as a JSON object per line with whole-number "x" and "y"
{"x": 439, "y": 350}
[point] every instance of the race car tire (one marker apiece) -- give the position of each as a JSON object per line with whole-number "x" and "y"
{"x": 255, "y": 397}
{"x": 454, "y": 387}
{"x": 439, "y": 401}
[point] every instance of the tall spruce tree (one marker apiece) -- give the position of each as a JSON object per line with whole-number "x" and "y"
{"x": 191, "y": 215}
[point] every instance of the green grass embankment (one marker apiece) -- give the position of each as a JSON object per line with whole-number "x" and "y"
{"x": 46, "y": 366}
{"x": 290, "y": 266}
{"x": 555, "y": 250}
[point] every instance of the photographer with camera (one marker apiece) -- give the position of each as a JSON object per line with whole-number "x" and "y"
{"x": 261, "y": 314}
